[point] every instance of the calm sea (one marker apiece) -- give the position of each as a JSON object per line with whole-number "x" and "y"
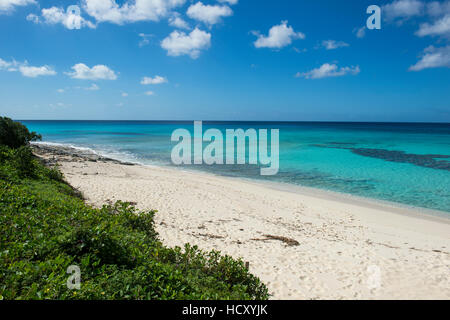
{"x": 404, "y": 163}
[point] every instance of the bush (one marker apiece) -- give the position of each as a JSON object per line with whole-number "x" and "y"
{"x": 19, "y": 163}
{"x": 45, "y": 228}
{"x": 25, "y": 161}
{"x": 14, "y": 134}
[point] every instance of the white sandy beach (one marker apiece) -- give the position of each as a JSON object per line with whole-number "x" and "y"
{"x": 341, "y": 244}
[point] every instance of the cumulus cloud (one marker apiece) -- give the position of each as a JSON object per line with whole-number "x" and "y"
{"x": 279, "y": 36}
{"x": 25, "y": 69}
{"x": 154, "y": 80}
{"x": 8, "y": 6}
{"x": 98, "y": 72}
{"x": 54, "y": 15}
{"x": 176, "y": 21}
{"x": 33, "y": 72}
{"x": 180, "y": 43}
{"x": 333, "y": 44}
{"x": 149, "y": 93}
{"x": 438, "y": 12}
{"x": 130, "y": 11}
{"x": 437, "y": 9}
{"x": 403, "y": 9}
{"x": 328, "y": 70}
{"x": 433, "y": 57}
{"x": 209, "y": 14}
{"x": 441, "y": 27}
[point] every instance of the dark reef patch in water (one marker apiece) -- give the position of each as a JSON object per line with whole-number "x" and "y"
{"x": 422, "y": 160}
{"x": 343, "y": 143}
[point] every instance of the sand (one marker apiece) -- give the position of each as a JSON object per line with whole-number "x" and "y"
{"x": 304, "y": 244}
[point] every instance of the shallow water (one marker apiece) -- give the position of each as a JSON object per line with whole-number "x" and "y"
{"x": 405, "y": 163}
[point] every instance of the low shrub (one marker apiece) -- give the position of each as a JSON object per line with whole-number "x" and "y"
{"x": 45, "y": 228}
{"x": 14, "y": 134}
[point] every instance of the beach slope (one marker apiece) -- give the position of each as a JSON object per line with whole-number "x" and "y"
{"x": 302, "y": 245}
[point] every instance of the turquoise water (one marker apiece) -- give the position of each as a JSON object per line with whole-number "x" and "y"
{"x": 404, "y": 163}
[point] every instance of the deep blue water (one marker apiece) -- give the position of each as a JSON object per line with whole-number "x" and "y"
{"x": 404, "y": 163}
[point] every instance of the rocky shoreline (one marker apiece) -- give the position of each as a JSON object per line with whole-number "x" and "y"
{"x": 51, "y": 155}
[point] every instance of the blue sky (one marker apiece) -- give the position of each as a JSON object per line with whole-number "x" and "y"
{"x": 225, "y": 60}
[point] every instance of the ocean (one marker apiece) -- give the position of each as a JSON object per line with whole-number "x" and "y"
{"x": 406, "y": 163}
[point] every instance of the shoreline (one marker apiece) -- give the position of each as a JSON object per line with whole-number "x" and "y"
{"x": 303, "y": 245}
{"x": 372, "y": 203}
{"x": 396, "y": 207}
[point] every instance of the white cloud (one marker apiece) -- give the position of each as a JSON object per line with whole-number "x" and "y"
{"x": 55, "y": 15}
{"x": 176, "y": 21}
{"x": 149, "y": 93}
{"x": 180, "y": 43}
{"x": 360, "y": 32}
{"x": 124, "y": 94}
{"x": 279, "y": 36}
{"x": 155, "y": 80}
{"x": 130, "y": 11}
{"x": 230, "y": 2}
{"x": 33, "y": 18}
{"x": 8, "y": 6}
{"x": 441, "y": 27}
{"x": 437, "y": 12}
{"x": 60, "y": 90}
{"x": 98, "y": 72}
{"x": 25, "y": 69}
{"x": 433, "y": 58}
{"x": 332, "y": 44}
{"x": 4, "y": 64}
{"x": 209, "y": 14}
{"x": 402, "y": 9}
{"x": 8, "y": 66}
{"x": 33, "y": 72}
{"x": 436, "y": 8}
{"x": 328, "y": 70}
{"x": 93, "y": 87}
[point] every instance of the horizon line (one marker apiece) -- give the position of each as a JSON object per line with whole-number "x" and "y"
{"x": 254, "y": 121}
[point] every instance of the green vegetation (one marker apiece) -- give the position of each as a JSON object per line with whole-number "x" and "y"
{"x": 45, "y": 227}
{"x": 14, "y": 134}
